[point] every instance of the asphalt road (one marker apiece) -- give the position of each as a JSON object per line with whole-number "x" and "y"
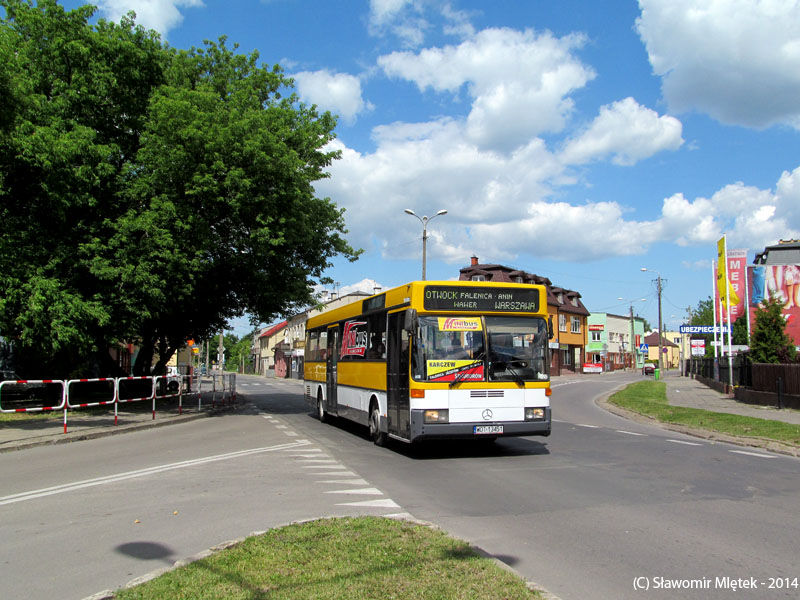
{"x": 601, "y": 505}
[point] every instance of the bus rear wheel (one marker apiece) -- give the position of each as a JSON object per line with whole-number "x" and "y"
{"x": 375, "y": 433}
{"x": 323, "y": 416}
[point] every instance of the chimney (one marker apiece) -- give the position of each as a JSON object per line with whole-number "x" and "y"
{"x": 474, "y": 260}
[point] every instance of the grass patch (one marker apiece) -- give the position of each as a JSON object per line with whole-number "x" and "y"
{"x": 650, "y": 398}
{"x": 364, "y": 557}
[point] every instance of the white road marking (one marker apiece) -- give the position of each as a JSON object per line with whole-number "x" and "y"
{"x": 346, "y": 481}
{"x": 385, "y": 503}
{"x": 758, "y": 454}
{"x": 631, "y": 432}
{"x": 366, "y": 491}
{"x": 684, "y": 442}
{"x": 588, "y": 426}
{"x": 77, "y": 485}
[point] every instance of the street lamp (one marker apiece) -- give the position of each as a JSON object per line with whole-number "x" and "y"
{"x": 633, "y": 334}
{"x": 660, "y": 327}
{"x": 424, "y": 220}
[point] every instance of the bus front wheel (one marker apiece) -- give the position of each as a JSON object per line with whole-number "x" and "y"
{"x": 375, "y": 433}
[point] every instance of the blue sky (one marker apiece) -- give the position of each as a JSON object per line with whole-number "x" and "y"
{"x": 580, "y": 141}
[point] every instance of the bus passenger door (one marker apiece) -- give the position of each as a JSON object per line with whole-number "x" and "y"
{"x": 397, "y": 363}
{"x": 332, "y": 369}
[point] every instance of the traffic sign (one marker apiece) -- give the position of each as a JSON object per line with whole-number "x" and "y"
{"x": 643, "y": 348}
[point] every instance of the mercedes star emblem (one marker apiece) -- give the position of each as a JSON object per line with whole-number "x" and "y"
{"x": 487, "y": 415}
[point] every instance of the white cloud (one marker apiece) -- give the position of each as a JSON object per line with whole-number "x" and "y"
{"x": 519, "y": 81}
{"x": 628, "y": 132}
{"x": 365, "y": 285}
{"x": 161, "y": 15}
{"x": 737, "y": 60}
{"x": 339, "y": 93}
{"x": 402, "y": 18}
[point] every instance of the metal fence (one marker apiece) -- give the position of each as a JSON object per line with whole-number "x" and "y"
{"x": 778, "y": 379}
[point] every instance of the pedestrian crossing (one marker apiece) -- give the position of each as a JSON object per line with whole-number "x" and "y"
{"x": 342, "y": 486}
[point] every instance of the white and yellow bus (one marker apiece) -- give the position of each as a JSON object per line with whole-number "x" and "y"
{"x": 435, "y": 359}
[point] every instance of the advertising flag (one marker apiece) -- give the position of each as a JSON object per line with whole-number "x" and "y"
{"x": 727, "y": 295}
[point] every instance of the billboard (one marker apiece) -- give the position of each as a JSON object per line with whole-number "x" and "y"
{"x": 781, "y": 281}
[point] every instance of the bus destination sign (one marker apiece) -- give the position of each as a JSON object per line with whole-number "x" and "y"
{"x": 447, "y": 298}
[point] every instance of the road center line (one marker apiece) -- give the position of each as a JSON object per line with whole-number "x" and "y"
{"x": 684, "y": 443}
{"x": 77, "y": 485}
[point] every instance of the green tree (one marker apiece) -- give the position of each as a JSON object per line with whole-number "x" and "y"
{"x": 74, "y": 101}
{"x": 769, "y": 342}
{"x": 149, "y": 194}
{"x": 237, "y": 350}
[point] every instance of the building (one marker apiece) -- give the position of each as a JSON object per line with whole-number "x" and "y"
{"x": 610, "y": 338}
{"x": 785, "y": 252}
{"x": 268, "y": 339}
{"x": 670, "y": 351}
{"x": 565, "y": 309}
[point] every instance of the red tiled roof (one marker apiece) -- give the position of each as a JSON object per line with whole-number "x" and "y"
{"x": 273, "y": 330}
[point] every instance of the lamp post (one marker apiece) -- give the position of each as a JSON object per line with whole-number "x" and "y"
{"x": 424, "y": 220}
{"x": 633, "y": 334}
{"x": 660, "y": 327}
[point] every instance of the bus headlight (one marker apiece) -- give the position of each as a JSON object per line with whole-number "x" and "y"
{"x": 534, "y": 414}
{"x": 437, "y": 416}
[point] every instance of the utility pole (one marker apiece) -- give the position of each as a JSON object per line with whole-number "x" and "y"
{"x": 221, "y": 349}
{"x": 660, "y": 325}
{"x": 633, "y": 344}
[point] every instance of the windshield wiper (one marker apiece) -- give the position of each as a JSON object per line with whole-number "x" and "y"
{"x": 517, "y": 377}
{"x": 460, "y": 376}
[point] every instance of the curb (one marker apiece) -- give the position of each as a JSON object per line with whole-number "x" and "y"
{"x": 408, "y": 518}
{"x": 90, "y": 435}
{"x": 705, "y": 434}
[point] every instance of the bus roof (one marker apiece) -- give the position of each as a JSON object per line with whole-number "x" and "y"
{"x": 463, "y": 297}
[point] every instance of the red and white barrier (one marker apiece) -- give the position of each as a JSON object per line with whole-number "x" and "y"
{"x": 25, "y": 384}
{"x": 71, "y": 391}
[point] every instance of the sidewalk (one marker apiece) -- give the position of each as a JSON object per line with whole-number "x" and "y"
{"x": 690, "y": 393}
{"x": 28, "y": 433}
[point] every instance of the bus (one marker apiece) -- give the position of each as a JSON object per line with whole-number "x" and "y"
{"x": 434, "y": 359}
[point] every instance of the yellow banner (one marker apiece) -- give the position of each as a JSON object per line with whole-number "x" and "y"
{"x": 446, "y": 370}
{"x": 727, "y": 295}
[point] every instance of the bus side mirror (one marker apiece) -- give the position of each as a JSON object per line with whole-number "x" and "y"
{"x": 410, "y": 322}
{"x": 550, "y": 327}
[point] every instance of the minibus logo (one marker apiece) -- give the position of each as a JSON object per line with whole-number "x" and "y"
{"x": 354, "y": 340}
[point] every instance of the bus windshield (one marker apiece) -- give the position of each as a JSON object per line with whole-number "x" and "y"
{"x": 461, "y": 349}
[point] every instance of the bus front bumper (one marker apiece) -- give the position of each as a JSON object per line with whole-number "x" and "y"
{"x": 421, "y": 430}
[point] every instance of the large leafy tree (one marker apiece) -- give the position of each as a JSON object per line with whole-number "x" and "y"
{"x": 769, "y": 342}
{"x": 147, "y": 194}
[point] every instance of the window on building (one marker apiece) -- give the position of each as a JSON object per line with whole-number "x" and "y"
{"x": 560, "y": 298}
{"x": 479, "y": 278}
{"x": 518, "y": 280}
{"x": 576, "y": 325}
{"x": 574, "y": 301}
{"x": 595, "y": 336}
{"x": 562, "y": 322}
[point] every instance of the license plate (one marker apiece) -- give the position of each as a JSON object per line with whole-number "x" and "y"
{"x": 487, "y": 429}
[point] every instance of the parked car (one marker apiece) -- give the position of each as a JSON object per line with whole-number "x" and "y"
{"x": 648, "y": 369}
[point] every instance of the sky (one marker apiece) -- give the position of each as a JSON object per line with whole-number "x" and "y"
{"x": 578, "y": 140}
